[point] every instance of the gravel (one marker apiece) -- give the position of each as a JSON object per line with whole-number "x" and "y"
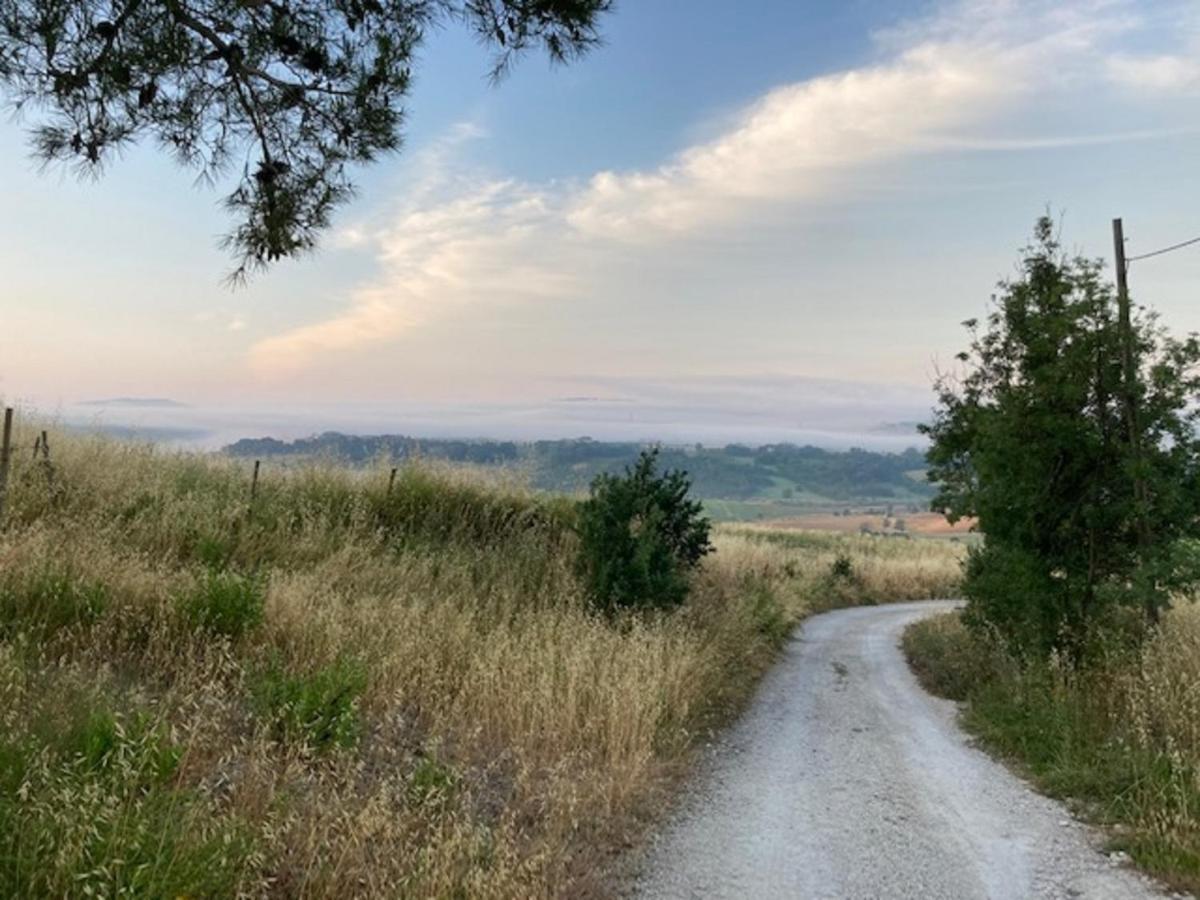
{"x": 846, "y": 780}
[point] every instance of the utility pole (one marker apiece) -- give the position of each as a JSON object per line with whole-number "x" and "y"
{"x": 1129, "y": 379}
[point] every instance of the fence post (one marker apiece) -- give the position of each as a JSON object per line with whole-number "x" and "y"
{"x": 391, "y": 481}
{"x": 254, "y": 481}
{"x": 5, "y": 456}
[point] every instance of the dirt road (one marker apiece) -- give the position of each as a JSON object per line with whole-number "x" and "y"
{"x": 846, "y": 780}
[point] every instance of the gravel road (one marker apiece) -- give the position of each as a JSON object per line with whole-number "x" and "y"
{"x": 846, "y": 780}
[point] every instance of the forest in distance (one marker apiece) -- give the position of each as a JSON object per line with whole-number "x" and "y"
{"x": 749, "y": 482}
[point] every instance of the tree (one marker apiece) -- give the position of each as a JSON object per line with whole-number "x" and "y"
{"x": 640, "y": 535}
{"x": 289, "y": 92}
{"x": 1033, "y": 442}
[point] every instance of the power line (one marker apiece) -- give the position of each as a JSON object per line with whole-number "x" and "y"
{"x": 1195, "y": 240}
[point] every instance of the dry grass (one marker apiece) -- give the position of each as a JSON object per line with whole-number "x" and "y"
{"x": 341, "y": 691}
{"x": 1121, "y": 734}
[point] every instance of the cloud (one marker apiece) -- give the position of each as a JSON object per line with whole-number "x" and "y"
{"x": 474, "y": 249}
{"x": 796, "y": 140}
{"x": 464, "y": 242}
{"x": 1162, "y": 73}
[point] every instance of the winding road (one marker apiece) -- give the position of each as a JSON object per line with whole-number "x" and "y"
{"x": 845, "y": 779}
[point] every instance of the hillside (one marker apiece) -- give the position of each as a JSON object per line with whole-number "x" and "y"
{"x": 739, "y": 482}
{"x": 334, "y": 687}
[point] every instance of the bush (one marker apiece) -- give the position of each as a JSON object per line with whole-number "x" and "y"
{"x": 47, "y": 601}
{"x": 224, "y": 603}
{"x": 319, "y": 708}
{"x": 944, "y": 655}
{"x": 639, "y": 537}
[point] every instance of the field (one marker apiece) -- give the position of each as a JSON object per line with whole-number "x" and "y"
{"x": 917, "y": 524}
{"x": 1119, "y": 736}
{"x": 333, "y": 686}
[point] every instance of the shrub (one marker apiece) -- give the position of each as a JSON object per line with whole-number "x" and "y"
{"x": 842, "y": 568}
{"x": 319, "y": 708}
{"x": 944, "y": 655}
{"x": 639, "y": 537}
{"x": 47, "y": 601}
{"x": 224, "y": 603}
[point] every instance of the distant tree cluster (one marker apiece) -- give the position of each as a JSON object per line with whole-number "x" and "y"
{"x": 734, "y": 472}
{"x": 287, "y": 93}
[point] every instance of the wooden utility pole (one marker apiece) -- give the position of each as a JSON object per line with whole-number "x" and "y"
{"x": 5, "y": 456}
{"x": 1129, "y": 383}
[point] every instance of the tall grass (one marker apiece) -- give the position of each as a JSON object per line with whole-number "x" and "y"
{"x": 343, "y": 690}
{"x": 1121, "y": 734}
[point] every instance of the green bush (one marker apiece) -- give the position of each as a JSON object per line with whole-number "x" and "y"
{"x": 947, "y": 659}
{"x": 639, "y": 537}
{"x": 47, "y": 601}
{"x": 224, "y": 603}
{"x": 319, "y": 708}
{"x": 842, "y": 568}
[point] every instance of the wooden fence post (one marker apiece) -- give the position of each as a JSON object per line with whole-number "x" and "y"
{"x": 391, "y": 481}
{"x": 254, "y": 481}
{"x": 5, "y": 456}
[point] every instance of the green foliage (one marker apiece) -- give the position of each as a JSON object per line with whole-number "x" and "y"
{"x": 431, "y": 781}
{"x": 732, "y": 472}
{"x": 768, "y": 614}
{"x": 948, "y": 659}
{"x": 87, "y": 809}
{"x": 319, "y": 707}
{"x": 43, "y": 602}
{"x": 298, "y": 90}
{"x": 639, "y": 537}
{"x": 842, "y": 568}
{"x": 224, "y": 603}
{"x": 1062, "y": 726}
{"x": 1035, "y": 442}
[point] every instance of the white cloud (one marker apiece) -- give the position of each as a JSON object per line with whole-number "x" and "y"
{"x": 474, "y": 249}
{"x": 465, "y": 242}
{"x": 1162, "y": 73}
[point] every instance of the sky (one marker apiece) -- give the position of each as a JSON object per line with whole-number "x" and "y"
{"x": 751, "y": 221}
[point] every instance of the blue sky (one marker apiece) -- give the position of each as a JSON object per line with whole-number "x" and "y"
{"x": 733, "y": 221}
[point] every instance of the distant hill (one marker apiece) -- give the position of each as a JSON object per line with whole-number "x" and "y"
{"x": 736, "y": 481}
{"x": 137, "y": 403}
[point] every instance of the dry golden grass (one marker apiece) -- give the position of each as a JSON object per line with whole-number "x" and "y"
{"x": 341, "y": 691}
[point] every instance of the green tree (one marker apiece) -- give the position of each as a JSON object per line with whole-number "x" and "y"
{"x": 288, "y": 93}
{"x": 640, "y": 535}
{"x": 1034, "y": 443}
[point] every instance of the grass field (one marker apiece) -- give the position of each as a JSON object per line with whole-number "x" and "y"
{"x": 916, "y": 524}
{"x": 1121, "y": 736}
{"x": 338, "y": 689}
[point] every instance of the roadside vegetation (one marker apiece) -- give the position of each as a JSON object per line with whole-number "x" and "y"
{"x": 1120, "y": 736}
{"x": 1070, "y": 438}
{"x": 339, "y": 687}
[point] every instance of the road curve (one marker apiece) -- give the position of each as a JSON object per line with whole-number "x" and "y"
{"x": 846, "y": 780}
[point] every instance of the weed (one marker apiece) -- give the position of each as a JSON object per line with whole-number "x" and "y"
{"x": 48, "y": 600}
{"x": 319, "y": 708}
{"x": 224, "y": 603}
